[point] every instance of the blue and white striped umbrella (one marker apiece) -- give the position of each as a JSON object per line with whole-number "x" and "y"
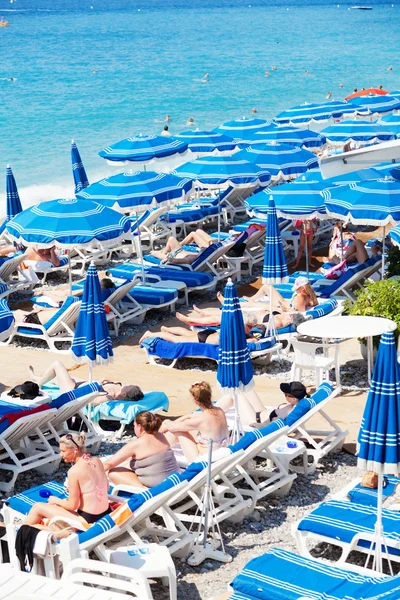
{"x": 92, "y": 342}
{"x": 78, "y": 170}
{"x": 143, "y": 149}
{"x": 275, "y": 268}
{"x": 358, "y": 131}
{"x": 395, "y": 94}
{"x": 395, "y": 235}
{"x": 370, "y": 202}
{"x": 140, "y": 189}
{"x": 305, "y": 113}
{"x": 377, "y": 103}
{"x": 7, "y": 318}
{"x": 281, "y": 160}
{"x": 239, "y": 129}
{"x": 68, "y": 223}
{"x": 392, "y": 122}
{"x": 235, "y": 369}
{"x": 292, "y": 201}
{"x": 214, "y": 171}
{"x": 293, "y": 136}
{"x": 206, "y": 142}
{"x": 14, "y": 206}
{"x": 379, "y": 435}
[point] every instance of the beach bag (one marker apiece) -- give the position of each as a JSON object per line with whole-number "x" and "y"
{"x": 370, "y": 480}
{"x": 336, "y": 271}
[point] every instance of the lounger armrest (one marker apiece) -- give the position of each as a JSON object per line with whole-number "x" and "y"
{"x": 31, "y": 326}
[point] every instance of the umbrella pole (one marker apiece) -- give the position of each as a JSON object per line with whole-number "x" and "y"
{"x": 238, "y": 429}
{"x": 341, "y": 241}
{"x": 139, "y": 246}
{"x": 383, "y": 253}
{"x": 306, "y": 246}
{"x": 69, "y": 272}
{"x": 271, "y": 322}
{"x": 90, "y": 381}
{"x": 219, "y": 214}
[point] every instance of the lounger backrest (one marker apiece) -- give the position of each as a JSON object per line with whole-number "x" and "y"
{"x": 80, "y": 392}
{"x": 305, "y": 405}
{"x": 328, "y": 290}
{"x": 69, "y": 312}
{"x": 148, "y": 218}
{"x": 10, "y": 266}
{"x": 120, "y": 292}
{"x": 25, "y": 426}
{"x": 211, "y": 255}
{"x": 322, "y": 309}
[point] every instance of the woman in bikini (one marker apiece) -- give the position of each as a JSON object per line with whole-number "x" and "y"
{"x": 147, "y": 460}
{"x": 193, "y": 432}
{"x": 114, "y": 390}
{"x": 87, "y": 487}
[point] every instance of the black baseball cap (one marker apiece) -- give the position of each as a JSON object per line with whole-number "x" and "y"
{"x": 294, "y": 388}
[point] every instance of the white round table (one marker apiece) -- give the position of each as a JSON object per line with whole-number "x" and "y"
{"x": 348, "y": 327}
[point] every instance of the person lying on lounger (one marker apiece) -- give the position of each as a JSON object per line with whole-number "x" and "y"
{"x": 145, "y": 461}
{"x": 41, "y": 258}
{"x": 59, "y": 373}
{"x": 87, "y": 487}
{"x": 194, "y": 431}
{"x": 57, "y": 296}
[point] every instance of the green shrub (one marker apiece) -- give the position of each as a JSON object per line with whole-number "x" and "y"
{"x": 378, "y": 299}
{"x": 393, "y": 262}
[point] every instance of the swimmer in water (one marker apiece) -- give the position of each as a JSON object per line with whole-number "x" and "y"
{"x": 274, "y": 68}
{"x": 307, "y": 72}
{"x": 329, "y": 95}
{"x": 254, "y": 111}
{"x": 167, "y": 119}
{"x": 266, "y": 73}
{"x": 390, "y": 68}
{"x": 340, "y": 85}
{"x": 94, "y": 71}
{"x": 190, "y": 121}
{"x": 206, "y": 76}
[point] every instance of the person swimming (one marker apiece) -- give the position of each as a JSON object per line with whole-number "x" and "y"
{"x": 190, "y": 121}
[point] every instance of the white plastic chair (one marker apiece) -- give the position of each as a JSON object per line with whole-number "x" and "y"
{"x": 305, "y": 358}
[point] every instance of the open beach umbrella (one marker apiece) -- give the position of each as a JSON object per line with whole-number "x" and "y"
{"x": 275, "y": 268}
{"x": 235, "y": 369}
{"x": 395, "y": 94}
{"x": 143, "y": 149}
{"x": 376, "y": 103}
{"x": 239, "y": 129}
{"x": 392, "y": 122}
{"x": 138, "y": 190}
{"x": 292, "y": 201}
{"x": 367, "y": 92}
{"x": 292, "y": 136}
{"x": 281, "y": 160}
{"x": 207, "y": 142}
{"x": 78, "y": 170}
{"x": 379, "y": 436}
{"x": 92, "y": 342}
{"x": 306, "y": 113}
{"x": 357, "y": 131}
{"x": 13, "y": 203}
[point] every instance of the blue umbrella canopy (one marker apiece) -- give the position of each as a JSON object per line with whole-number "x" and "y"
{"x": 358, "y": 131}
{"x": 293, "y": 136}
{"x": 379, "y": 435}
{"x": 238, "y": 129}
{"x": 292, "y": 201}
{"x": 370, "y": 202}
{"x": 235, "y": 369}
{"x": 139, "y": 189}
{"x": 376, "y": 103}
{"x": 391, "y": 119}
{"x": 305, "y": 113}
{"x": 275, "y": 268}
{"x": 92, "y": 342}
{"x": 143, "y": 149}
{"x": 206, "y": 141}
{"x": 395, "y": 94}
{"x": 14, "y": 206}
{"x": 68, "y": 223}
{"x": 215, "y": 171}
{"x": 78, "y": 170}
{"x": 6, "y": 316}
{"x": 281, "y": 160}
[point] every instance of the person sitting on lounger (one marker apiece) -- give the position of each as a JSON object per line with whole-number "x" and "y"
{"x": 87, "y": 487}
{"x": 194, "y": 431}
{"x": 59, "y": 373}
{"x": 41, "y": 258}
{"x": 341, "y": 240}
{"x": 145, "y": 461}
{"x": 57, "y": 296}
{"x": 356, "y": 252}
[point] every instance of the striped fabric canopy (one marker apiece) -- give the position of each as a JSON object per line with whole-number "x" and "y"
{"x": 305, "y": 113}
{"x": 371, "y": 202}
{"x": 143, "y": 149}
{"x": 6, "y": 317}
{"x": 235, "y": 369}
{"x": 14, "y": 206}
{"x": 358, "y": 131}
{"x": 92, "y": 342}
{"x": 78, "y": 170}
{"x": 292, "y": 200}
{"x": 275, "y": 268}
{"x": 281, "y": 160}
{"x": 139, "y": 189}
{"x": 215, "y": 171}
{"x": 377, "y": 103}
{"x": 68, "y": 223}
{"x": 206, "y": 141}
{"x": 293, "y": 136}
{"x": 239, "y": 129}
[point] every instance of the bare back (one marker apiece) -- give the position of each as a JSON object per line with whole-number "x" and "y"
{"x": 149, "y": 444}
{"x": 213, "y": 425}
{"x": 93, "y": 483}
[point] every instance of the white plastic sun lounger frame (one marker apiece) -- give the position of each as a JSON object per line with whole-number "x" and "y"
{"x": 355, "y": 281}
{"x": 13, "y": 266}
{"x": 122, "y": 312}
{"x": 253, "y": 254}
{"x": 62, "y": 330}
{"x": 48, "y": 271}
{"x": 84, "y": 256}
{"x": 38, "y": 454}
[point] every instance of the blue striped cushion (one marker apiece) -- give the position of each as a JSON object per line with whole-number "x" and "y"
{"x": 31, "y": 331}
{"x": 306, "y": 404}
{"x": 322, "y": 309}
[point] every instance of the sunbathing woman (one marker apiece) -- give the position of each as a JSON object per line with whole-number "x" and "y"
{"x": 356, "y": 252}
{"x": 87, "y": 487}
{"x": 194, "y": 431}
{"x": 145, "y": 461}
{"x": 57, "y": 296}
{"x": 113, "y": 390}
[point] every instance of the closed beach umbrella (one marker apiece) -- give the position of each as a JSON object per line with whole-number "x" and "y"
{"x": 7, "y": 318}
{"x": 13, "y": 206}
{"x": 78, "y": 170}
{"x": 292, "y": 136}
{"x": 306, "y": 113}
{"x": 239, "y": 129}
{"x": 139, "y": 190}
{"x": 281, "y": 160}
{"x": 379, "y": 436}
{"x": 292, "y": 201}
{"x": 206, "y": 142}
{"x": 357, "y": 131}
{"x": 235, "y": 369}
{"x": 376, "y": 103}
{"x": 214, "y": 171}
{"x": 92, "y": 342}
{"x": 143, "y": 149}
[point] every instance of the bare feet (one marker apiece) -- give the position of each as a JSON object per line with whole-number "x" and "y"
{"x": 32, "y": 374}
{"x": 181, "y": 317}
{"x": 220, "y": 297}
{"x": 201, "y": 312}
{"x": 147, "y": 334}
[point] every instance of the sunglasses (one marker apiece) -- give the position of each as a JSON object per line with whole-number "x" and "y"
{"x": 69, "y": 437}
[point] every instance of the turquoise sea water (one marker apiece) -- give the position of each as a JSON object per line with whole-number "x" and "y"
{"x": 150, "y": 57}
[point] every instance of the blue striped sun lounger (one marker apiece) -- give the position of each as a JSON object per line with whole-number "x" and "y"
{"x": 194, "y": 280}
{"x": 368, "y": 496}
{"x": 282, "y": 575}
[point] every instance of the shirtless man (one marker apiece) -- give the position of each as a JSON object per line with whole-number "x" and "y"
{"x": 41, "y": 257}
